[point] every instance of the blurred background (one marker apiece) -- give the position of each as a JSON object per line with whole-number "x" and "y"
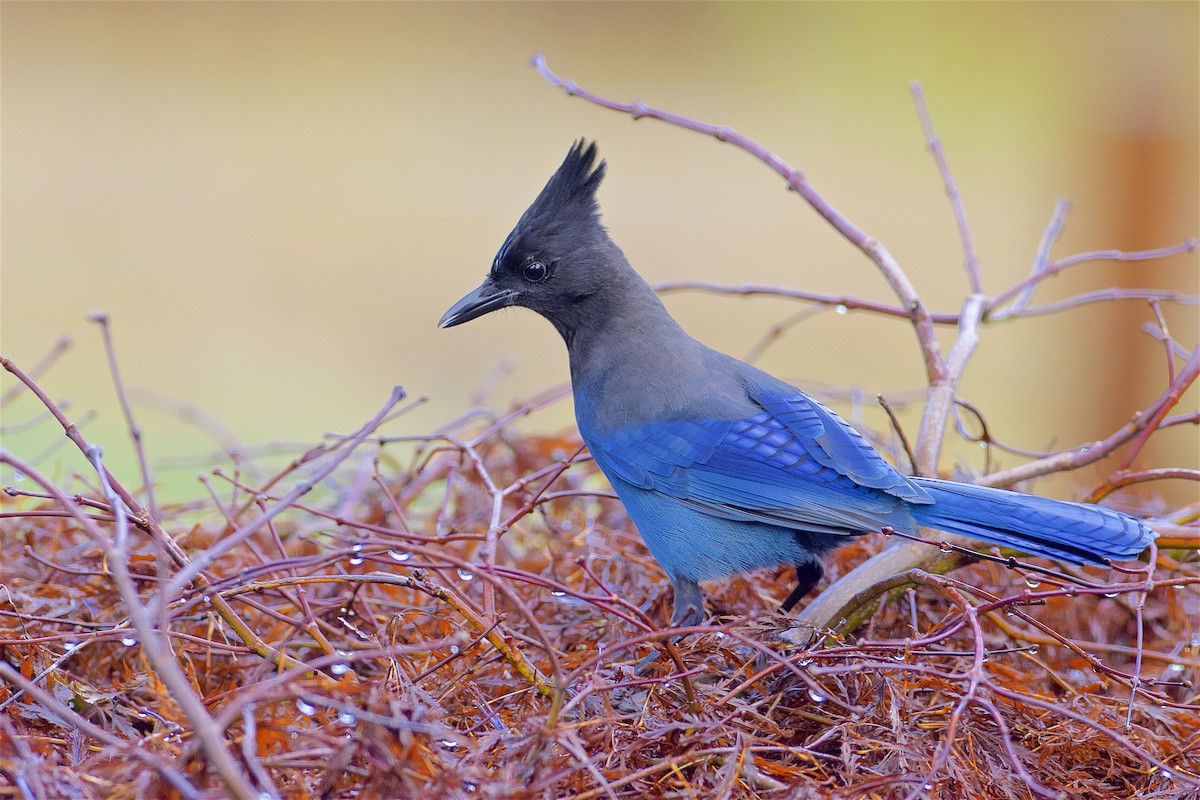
{"x": 275, "y": 202}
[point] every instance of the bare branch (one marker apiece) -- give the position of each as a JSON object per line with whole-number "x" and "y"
{"x": 1145, "y": 423}
{"x": 796, "y": 181}
{"x": 1043, "y": 269}
{"x": 135, "y": 430}
{"x": 970, "y": 257}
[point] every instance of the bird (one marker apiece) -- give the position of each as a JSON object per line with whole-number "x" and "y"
{"x": 722, "y": 467}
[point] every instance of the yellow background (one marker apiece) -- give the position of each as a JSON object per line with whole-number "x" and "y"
{"x": 276, "y": 202}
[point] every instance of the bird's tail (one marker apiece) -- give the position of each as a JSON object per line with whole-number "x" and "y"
{"x": 1073, "y": 532}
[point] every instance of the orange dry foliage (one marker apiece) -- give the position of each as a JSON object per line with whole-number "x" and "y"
{"x": 466, "y": 626}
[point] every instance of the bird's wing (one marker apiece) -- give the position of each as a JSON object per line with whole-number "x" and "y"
{"x": 792, "y": 466}
{"x": 835, "y": 443}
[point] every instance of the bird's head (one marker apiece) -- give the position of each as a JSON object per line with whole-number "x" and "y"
{"x": 557, "y": 257}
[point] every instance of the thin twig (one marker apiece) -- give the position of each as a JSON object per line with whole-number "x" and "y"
{"x": 203, "y": 560}
{"x": 144, "y": 519}
{"x": 1142, "y": 425}
{"x": 135, "y": 430}
{"x": 1041, "y": 260}
{"x": 912, "y": 461}
{"x": 125, "y": 748}
{"x": 155, "y": 644}
{"x": 970, "y": 257}
{"x": 37, "y": 370}
{"x": 797, "y": 182}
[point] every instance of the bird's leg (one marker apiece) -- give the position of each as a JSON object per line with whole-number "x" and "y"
{"x": 689, "y": 610}
{"x": 689, "y": 603}
{"x": 807, "y": 575}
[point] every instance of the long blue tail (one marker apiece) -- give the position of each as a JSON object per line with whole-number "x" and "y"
{"x": 1073, "y": 532}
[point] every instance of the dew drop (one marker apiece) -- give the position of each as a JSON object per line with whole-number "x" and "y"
{"x": 1111, "y": 594}
{"x": 946, "y": 548}
{"x": 466, "y": 575}
{"x": 339, "y": 668}
{"x": 448, "y": 744}
{"x": 816, "y": 696}
{"x": 346, "y": 718}
{"x": 557, "y": 593}
{"x": 840, "y": 308}
{"x": 307, "y": 709}
{"x": 356, "y": 560}
{"x": 396, "y": 555}
{"x": 1175, "y": 669}
{"x": 1032, "y": 582}
{"x": 128, "y": 641}
{"x": 454, "y": 650}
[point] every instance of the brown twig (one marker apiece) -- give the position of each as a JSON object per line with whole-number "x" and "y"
{"x": 155, "y": 645}
{"x": 143, "y": 518}
{"x": 127, "y": 749}
{"x": 135, "y": 430}
{"x": 796, "y": 181}
{"x": 970, "y": 257}
{"x": 887, "y": 408}
{"x": 1142, "y": 425}
{"x": 37, "y": 370}
{"x": 188, "y": 572}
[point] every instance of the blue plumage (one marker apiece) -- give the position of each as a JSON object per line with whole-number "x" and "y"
{"x": 723, "y": 467}
{"x": 756, "y": 470}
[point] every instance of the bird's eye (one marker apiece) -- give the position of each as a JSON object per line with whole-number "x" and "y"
{"x": 535, "y": 272}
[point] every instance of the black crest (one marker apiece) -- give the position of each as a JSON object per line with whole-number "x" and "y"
{"x": 570, "y": 194}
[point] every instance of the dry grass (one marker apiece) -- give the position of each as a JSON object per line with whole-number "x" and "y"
{"x": 448, "y": 623}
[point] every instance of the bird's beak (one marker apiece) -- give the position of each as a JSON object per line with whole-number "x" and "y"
{"x": 487, "y": 297}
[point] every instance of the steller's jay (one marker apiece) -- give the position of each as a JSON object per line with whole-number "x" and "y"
{"x": 722, "y": 467}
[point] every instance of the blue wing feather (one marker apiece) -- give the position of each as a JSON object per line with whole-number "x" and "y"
{"x": 837, "y": 445}
{"x": 796, "y": 465}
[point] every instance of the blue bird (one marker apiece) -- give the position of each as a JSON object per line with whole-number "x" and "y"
{"x": 722, "y": 467}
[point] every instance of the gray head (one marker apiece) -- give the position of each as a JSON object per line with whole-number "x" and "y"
{"x": 557, "y": 258}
